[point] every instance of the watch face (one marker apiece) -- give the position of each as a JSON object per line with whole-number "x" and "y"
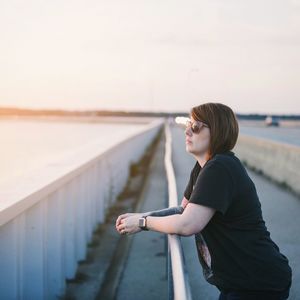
{"x": 142, "y": 222}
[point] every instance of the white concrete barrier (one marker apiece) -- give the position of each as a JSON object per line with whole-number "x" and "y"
{"x": 278, "y": 161}
{"x": 47, "y": 220}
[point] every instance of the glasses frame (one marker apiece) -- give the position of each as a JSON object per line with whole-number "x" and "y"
{"x": 200, "y": 125}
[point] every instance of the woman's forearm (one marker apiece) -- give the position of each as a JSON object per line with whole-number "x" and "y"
{"x": 167, "y": 224}
{"x": 194, "y": 218}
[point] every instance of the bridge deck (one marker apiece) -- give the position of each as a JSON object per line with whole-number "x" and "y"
{"x": 145, "y": 276}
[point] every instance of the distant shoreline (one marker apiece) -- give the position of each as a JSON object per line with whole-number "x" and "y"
{"x": 80, "y": 119}
{"x": 125, "y": 119}
{"x": 95, "y": 114}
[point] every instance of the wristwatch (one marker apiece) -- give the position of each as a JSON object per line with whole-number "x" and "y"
{"x": 143, "y": 223}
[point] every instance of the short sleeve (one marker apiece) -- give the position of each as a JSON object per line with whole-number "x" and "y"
{"x": 189, "y": 187}
{"x": 214, "y": 187}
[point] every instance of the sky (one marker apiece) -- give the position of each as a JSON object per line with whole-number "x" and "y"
{"x": 151, "y": 55}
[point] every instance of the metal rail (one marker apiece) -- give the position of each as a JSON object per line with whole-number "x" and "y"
{"x": 179, "y": 288}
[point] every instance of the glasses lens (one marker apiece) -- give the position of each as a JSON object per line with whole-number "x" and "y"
{"x": 196, "y": 127}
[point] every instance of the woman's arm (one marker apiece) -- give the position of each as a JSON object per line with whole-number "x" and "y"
{"x": 169, "y": 210}
{"x": 165, "y": 211}
{"x": 193, "y": 219}
{"x": 159, "y": 213}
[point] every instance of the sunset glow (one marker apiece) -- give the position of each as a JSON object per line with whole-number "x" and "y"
{"x": 151, "y": 55}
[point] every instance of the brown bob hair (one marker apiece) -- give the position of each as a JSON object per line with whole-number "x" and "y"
{"x": 223, "y": 125}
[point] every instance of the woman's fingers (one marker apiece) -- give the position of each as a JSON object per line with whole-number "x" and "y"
{"x": 128, "y": 223}
{"x": 123, "y": 216}
{"x": 120, "y": 217}
{"x": 121, "y": 226}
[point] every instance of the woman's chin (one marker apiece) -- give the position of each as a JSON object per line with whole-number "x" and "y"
{"x": 188, "y": 148}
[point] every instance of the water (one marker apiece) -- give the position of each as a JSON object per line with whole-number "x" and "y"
{"x": 27, "y": 145}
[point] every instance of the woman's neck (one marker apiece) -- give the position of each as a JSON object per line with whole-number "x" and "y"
{"x": 202, "y": 159}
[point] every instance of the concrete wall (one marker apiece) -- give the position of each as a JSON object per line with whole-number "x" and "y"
{"x": 279, "y": 161}
{"x": 47, "y": 220}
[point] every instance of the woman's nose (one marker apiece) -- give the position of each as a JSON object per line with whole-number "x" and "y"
{"x": 188, "y": 131}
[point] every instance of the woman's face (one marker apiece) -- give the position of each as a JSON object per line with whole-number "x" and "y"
{"x": 197, "y": 144}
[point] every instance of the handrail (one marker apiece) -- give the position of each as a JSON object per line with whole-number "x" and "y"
{"x": 179, "y": 287}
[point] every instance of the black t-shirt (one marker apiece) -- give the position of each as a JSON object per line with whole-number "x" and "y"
{"x": 235, "y": 248}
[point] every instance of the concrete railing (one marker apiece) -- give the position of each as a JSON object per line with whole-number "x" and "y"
{"x": 47, "y": 220}
{"x": 279, "y": 161}
{"x": 179, "y": 287}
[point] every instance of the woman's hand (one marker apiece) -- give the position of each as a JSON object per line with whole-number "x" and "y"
{"x": 184, "y": 202}
{"x": 128, "y": 223}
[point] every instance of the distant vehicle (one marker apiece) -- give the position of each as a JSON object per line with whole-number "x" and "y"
{"x": 272, "y": 121}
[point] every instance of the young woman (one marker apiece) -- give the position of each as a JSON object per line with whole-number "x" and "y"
{"x": 222, "y": 209}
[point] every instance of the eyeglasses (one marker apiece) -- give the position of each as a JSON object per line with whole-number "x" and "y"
{"x": 196, "y": 126}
